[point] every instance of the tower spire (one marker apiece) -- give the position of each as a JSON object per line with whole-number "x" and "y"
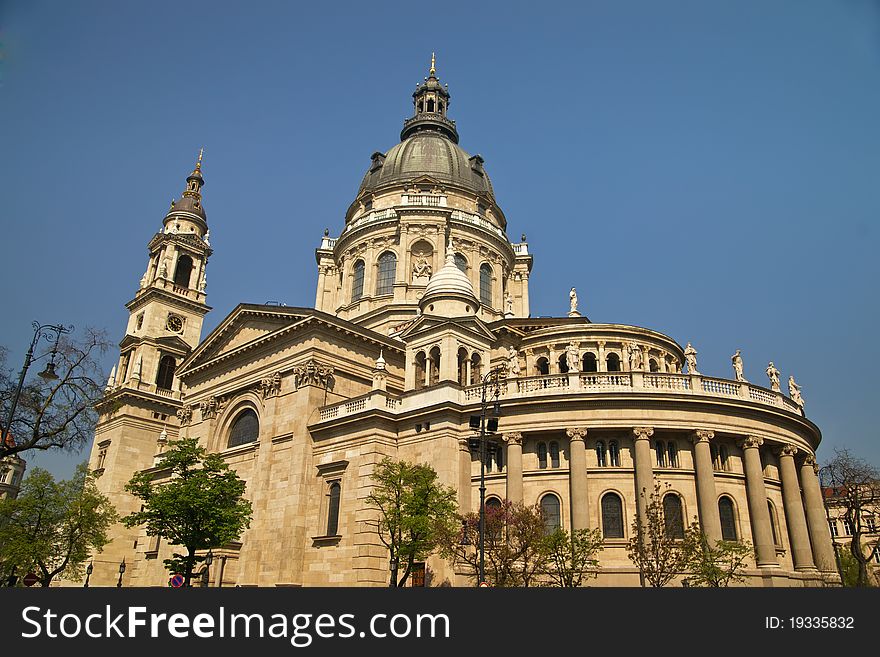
{"x": 433, "y": 69}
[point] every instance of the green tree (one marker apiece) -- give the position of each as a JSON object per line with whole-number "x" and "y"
{"x": 572, "y": 557}
{"x": 653, "y": 548}
{"x": 414, "y": 511}
{"x": 514, "y": 544}
{"x": 852, "y": 492}
{"x": 58, "y": 413}
{"x": 198, "y": 503}
{"x": 714, "y": 566}
{"x": 52, "y": 528}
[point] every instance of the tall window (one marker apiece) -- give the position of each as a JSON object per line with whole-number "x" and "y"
{"x": 847, "y": 527}
{"x": 542, "y": 455}
{"x": 590, "y": 364}
{"x": 832, "y": 526}
{"x": 245, "y": 429}
{"x": 486, "y": 285}
{"x": 543, "y": 366}
{"x": 614, "y": 453}
{"x": 387, "y": 269}
{"x": 672, "y": 453}
{"x": 333, "y": 509}
{"x": 461, "y": 263}
{"x": 550, "y": 511}
{"x": 673, "y": 517}
{"x": 554, "y": 454}
{"x": 727, "y": 516}
{"x": 772, "y": 512}
{"x": 612, "y": 516}
{"x": 182, "y": 271}
{"x": 870, "y": 524}
{"x": 653, "y": 365}
{"x": 165, "y": 377}
{"x": 660, "y": 450}
{"x": 357, "y": 283}
{"x": 421, "y": 367}
{"x": 613, "y": 362}
{"x": 720, "y": 460}
{"x": 563, "y": 364}
{"x": 600, "y": 453}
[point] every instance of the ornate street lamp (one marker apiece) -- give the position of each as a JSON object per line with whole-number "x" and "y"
{"x": 121, "y": 570}
{"x": 209, "y": 558}
{"x": 89, "y": 570}
{"x": 493, "y": 379}
{"x": 40, "y": 331}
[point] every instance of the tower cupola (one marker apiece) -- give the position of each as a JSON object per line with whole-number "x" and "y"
{"x": 186, "y": 214}
{"x": 430, "y": 102}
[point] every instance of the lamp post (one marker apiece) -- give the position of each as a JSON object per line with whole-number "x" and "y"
{"x": 205, "y": 573}
{"x": 121, "y": 570}
{"x": 89, "y": 570}
{"x": 494, "y": 378}
{"x": 40, "y": 331}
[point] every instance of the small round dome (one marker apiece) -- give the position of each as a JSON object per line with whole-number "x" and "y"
{"x": 450, "y": 283}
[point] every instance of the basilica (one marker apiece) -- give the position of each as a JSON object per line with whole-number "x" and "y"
{"x": 421, "y": 318}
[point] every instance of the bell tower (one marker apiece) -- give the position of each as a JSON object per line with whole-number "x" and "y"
{"x": 143, "y": 394}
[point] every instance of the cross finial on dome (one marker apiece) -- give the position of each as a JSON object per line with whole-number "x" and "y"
{"x": 199, "y": 162}
{"x": 450, "y": 251}
{"x": 433, "y": 69}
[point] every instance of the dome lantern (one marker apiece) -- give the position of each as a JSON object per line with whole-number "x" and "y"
{"x": 430, "y": 103}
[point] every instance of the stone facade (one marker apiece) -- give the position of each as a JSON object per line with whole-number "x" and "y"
{"x": 420, "y": 297}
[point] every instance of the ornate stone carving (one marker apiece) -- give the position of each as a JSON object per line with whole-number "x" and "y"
{"x": 211, "y": 407}
{"x": 271, "y": 385}
{"x": 643, "y": 433}
{"x": 512, "y": 361}
{"x": 576, "y": 433}
{"x": 810, "y": 459}
{"x": 702, "y": 435}
{"x": 737, "y": 361}
{"x": 513, "y": 438}
{"x": 773, "y": 375}
{"x": 788, "y": 450}
{"x": 185, "y": 414}
{"x": 313, "y": 373}
{"x": 751, "y": 441}
{"x": 422, "y": 269}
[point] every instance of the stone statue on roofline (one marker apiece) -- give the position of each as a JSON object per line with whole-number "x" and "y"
{"x": 794, "y": 391}
{"x": 773, "y": 375}
{"x": 737, "y": 361}
{"x": 573, "y": 304}
{"x": 690, "y": 357}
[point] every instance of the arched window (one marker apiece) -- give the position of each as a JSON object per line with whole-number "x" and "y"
{"x": 719, "y": 457}
{"x": 542, "y": 455}
{"x": 727, "y": 516}
{"x": 387, "y": 269}
{"x": 660, "y": 450}
{"x": 562, "y": 361}
{"x": 333, "y": 509}
{"x": 612, "y": 516}
{"x": 554, "y": 454}
{"x": 600, "y": 453}
{"x": 434, "y": 357}
{"x": 498, "y": 453}
{"x": 543, "y": 366}
{"x": 672, "y": 453}
{"x": 182, "y": 271}
{"x": 245, "y": 429}
{"x": 461, "y": 263}
{"x": 463, "y": 367}
{"x": 485, "y": 285}
{"x": 673, "y": 517}
{"x": 430, "y": 104}
{"x": 493, "y": 503}
{"x": 612, "y": 362}
{"x": 357, "y": 283}
{"x": 590, "y": 364}
{"x": 550, "y": 511}
{"x": 613, "y": 454}
{"x": 476, "y": 369}
{"x": 773, "y": 522}
{"x": 165, "y": 377}
{"x": 421, "y": 364}
{"x": 653, "y": 365}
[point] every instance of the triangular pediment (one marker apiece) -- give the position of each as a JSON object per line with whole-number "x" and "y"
{"x": 433, "y": 323}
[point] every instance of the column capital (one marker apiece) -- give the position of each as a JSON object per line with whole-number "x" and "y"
{"x": 702, "y": 436}
{"x": 463, "y": 445}
{"x": 751, "y": 441}
{"x": 601, "y": 343}
{"x": 810, "y": 459}
{"x": 643, "y": 433}
{"x": 576, "y": 433}
{"x": 787, "y": 450}
{"x": 513, "y": 438}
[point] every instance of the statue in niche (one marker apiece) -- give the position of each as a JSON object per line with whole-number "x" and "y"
{"x": 508, "y": 303}
{"x": 573, "y": 357}
{"x": 203, "y": 282}
{"x": 512, "y": 361}
{"x": 773, "y": 375}
{"x": 794, "y": 391}
{"x": 737, "y": 361}
{"x": 635, "y": 357}
{"x": 163, "y": 269}
{"x": 690, "y": 356}
{"x": 422, "y": 269}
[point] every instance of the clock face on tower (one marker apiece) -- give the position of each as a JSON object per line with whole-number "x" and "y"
{"x": 174, "y": 324}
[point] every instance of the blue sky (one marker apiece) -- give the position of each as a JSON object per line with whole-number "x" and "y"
{"x": 710, "y": 170}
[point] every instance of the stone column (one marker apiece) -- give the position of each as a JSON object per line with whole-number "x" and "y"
{"x": 464, "y": 476}
{"x": 762, "y": 532}
{"x": 514, "y": 466}
{"x": 817, "y": 522}
{"x": 644, "y": 471}
{"x": 577, "y": 478}
{"x": 706, "y": 496}
{"x": 801, "y": 552}
{"x": 601, "y": 366}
